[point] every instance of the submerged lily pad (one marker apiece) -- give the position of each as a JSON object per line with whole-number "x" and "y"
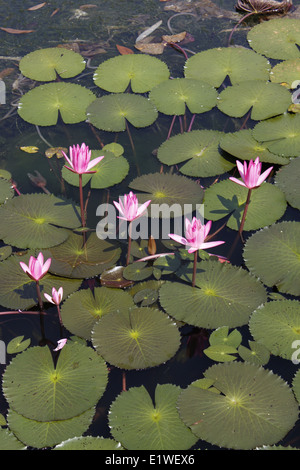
{"x": 200, "y": 148}
{"x": 215, "y": 300}
{"x": 272, "y": 317}
{"x": 37, "y": 220}
{"x": 110, "y": 112}
{"x": 109, "y": 171}
{"x": 71, "y": 259}
{"x": 287, "y": 179}
{"x": 45, "y": 64}
{"x": 166, "y": 190}
{"x": 281, "y": 134}
{"x": 173, "y": 96}
{"x": 43, "y": 105}
{"x": 243, "y": 146}
{"x": 140, "y": 424}
{"x": 46, "y": 392}
{"x": 239, "y": 63}
{"x": 277, "y": 38}
{"x": 273, "y": 255}
{"x": 136, "y": 338}
{"x": 83, "y": 309}
{"x": 142, "y": 72}
{"x": 249, "y": 410}
{"x": 267, "y": 204}
{"x": 265, "y": 99}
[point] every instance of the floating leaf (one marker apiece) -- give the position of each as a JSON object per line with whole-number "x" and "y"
{"x": 5, "y": 252}
{"x": 17, "y": 31}
{"x": 37, "y": 220}
{"x": 146, "y": 297}
{"x": 221, "y": 353}
{"x": 173, "y": 96}
{"x": 83, "y": 309}
{"x": 200, "y": 148}
{"x": 137, "y": 271}
{"x": 257, "y": 353}
{"x": 30, "y": 149}
{"x": 58, "y": 151}
{"x": 45, "y": 64}
{"x": 222, "y": 336}
{"x": 71, "y": 259}
{"x": 89, "y": 443}
{"x": 139, "y": 338}
{"x": 249, "y": 410}
{"x": 124, "y": 50}
{"x": 110, "y": 112}
{"x": 6, "y": 190}
{"x": 281, "y": 134}
{"x": 37, "y": 390}
{"x": 277, "y": 38}
{"x": 243, "y": 146}
{"x": 141, "y": 425}
{"x": 113, "y": 277}
{"x": 273, "y": 255}
{"x": 142, "y": 72}
{"x": 296, "y": 385}
{"x": 150, "y": 48}
{"x": 8, "y": 441}
{"x": 214, "y": 301}
{"x": 272, "y": 317}
{"x": 267, "y": 204}
{"x": 42, "y": 105}
{"x": 287, "y": 179}
{"x": 166, "y": 190}
{"x": 286, "y": 72}
{"x": 265, "y": 99}
{"x": 17, "y": 345}
{"x": 239, "y": 63}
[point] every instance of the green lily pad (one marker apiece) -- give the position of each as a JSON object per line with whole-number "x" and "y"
{"x": 296, "y": 385}
{"x": 5, "y": 252}
{"x": 287, "y": 179}
{"x": 43, "y": 105}
{"x": 214, "y": 65}
{"x": 109, "y": 171}
{"x": 6, "y": 175}
{"x": 8, "y": 441}
{"x": 146, "y": 297}
{"x": 137, "y": 338}
{"x": 110, "y": 112}
{"x": 41, "y": 434}
{"x": 286, "y": 72}
{"x": 89, "y": 443}
{"x": 6, "y": 190}
{"x": 45, "y": 64}
{"x": 222, "y": 336}
{"x": 277, "y": 38}
{"x": 272, "y": 317}
{"x": 265, "y": 99}
{"x": 273, "y": 255}
{"x": 37, "y": 220}
{"x": 243, "y": 146}
{"x": 173, "y": 96}
{"x": 83, "y": 308}
{"x": 18, "y": 291}
{"x": 17, "y": 345}
{"x": 257, "y": 353}
{"x": 115, "y": 148}
{"x": 37, "y": 390}
{"x": 140, "y": 424}
{"x": 141, "y": 72}
{"x": 267, "y": 204}
{"x": 214, "y": 301}
{"x": 281, "y": 134}
{"x": 221, "y": 353}
{"x": 249, "y": 410}
{"x": 166, "y": 190}
{"x": 137, "y": 271}
{"x": 200, "y": 148}
{"x": 71, "y": 259}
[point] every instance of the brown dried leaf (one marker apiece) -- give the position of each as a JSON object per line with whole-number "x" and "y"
{"x": 6, "y": 72}
{"x": 37, "y": 7}
{"x": 175, "y": 37}
{"x": 152, "y": 48}
{"x": 17, "y": 31}
{"x": 124, "y": 50}
{"x": 54, "y": 12}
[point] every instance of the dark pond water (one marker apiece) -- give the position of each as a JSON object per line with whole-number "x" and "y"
{"x": 104, "y": 26}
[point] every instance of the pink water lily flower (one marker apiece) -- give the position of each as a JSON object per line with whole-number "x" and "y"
{"x": 60, "y": 344}
{"x": 79, "y": 160}
{"x": 36, "y": 268}
{"x": 56, "y": 296}
{"x": 195, "y": 235}
{"x": 251, "y": 175}
{"x": 129, "y": 208}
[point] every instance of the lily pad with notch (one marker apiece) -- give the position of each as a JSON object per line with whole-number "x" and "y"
{"x": 136, "y": 338}
{"x": 238, "y": 63}
{"x": 110, "y": 112}
{"x": 287, "y": 179}
{"x": 273, "y": 255}
{"x": 43, "y": 105}
{"x": 267, "y": 204}
{"x": 37, "y": 220}
{"x": 264, "y": 99}
{"x": 45, "y": 64}
{"x": 141, "y": 72}
{"x": 257, "y": 353}
{"x": 250, "y": 400}
{"x": 200, "y": 148}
